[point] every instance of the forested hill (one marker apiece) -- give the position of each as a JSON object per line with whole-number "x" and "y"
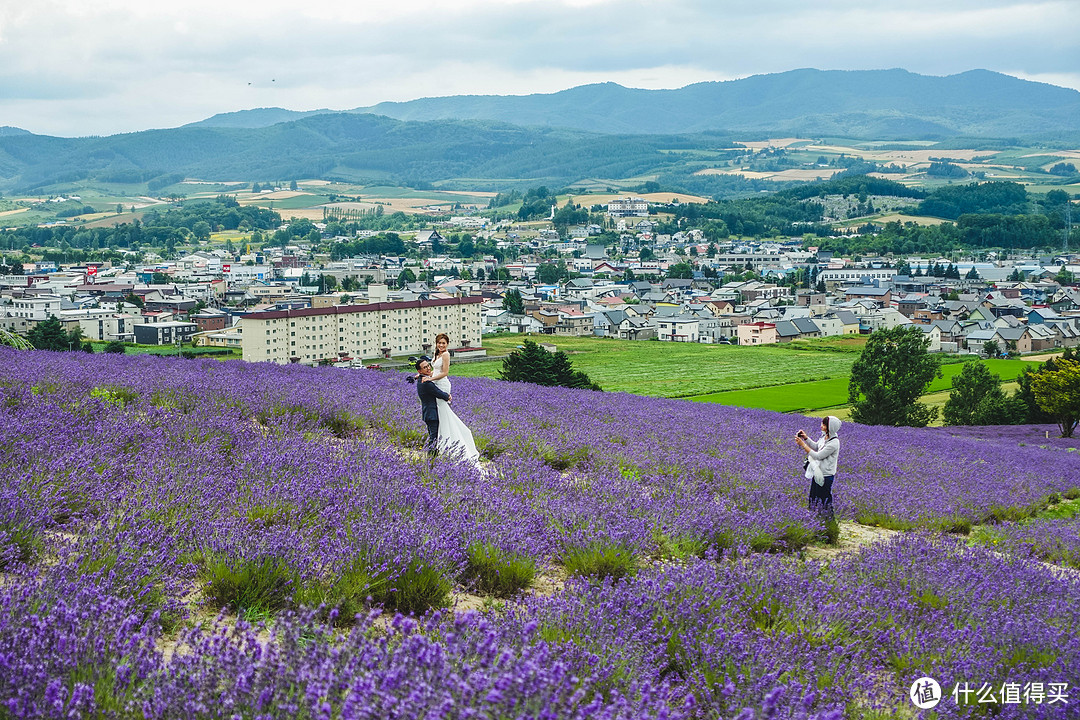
{"x": 871, "y": 104}
{"x": 595, "y": 131}
{"x": 367, "y": 148}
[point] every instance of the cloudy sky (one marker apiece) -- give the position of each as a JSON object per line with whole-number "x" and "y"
{"x": 99, "y": 67}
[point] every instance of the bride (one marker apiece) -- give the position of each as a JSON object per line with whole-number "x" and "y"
{"x": 454, "y": 437}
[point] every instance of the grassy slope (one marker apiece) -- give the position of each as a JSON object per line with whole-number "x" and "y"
{"x": 661, "y": 369}
{"x": 805, "y": 377}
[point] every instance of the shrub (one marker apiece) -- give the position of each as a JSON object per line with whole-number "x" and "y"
{"x": 18, "y": 543}
{"x": 259, "y": 585}
{"x": 350, "y": 593}
{"x": 600, "y": 560}
{"x": 498, "y": 572}
{"x": 832, "y": 531}
{"x": 417, "y": 589}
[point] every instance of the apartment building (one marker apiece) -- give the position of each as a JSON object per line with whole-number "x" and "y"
{"x": 359, "y": 331}
{"x": 628, "y": 207}
{"x": 36, "y": 309}
{"x": 856, "y": 276}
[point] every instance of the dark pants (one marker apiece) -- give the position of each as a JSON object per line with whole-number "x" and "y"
{"x": 821, "y": 498}
{"x": 432, "y": 438}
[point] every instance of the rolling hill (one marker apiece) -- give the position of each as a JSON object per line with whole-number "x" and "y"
{"x": 871, "y": 104}
{"x": 593, "y": 131}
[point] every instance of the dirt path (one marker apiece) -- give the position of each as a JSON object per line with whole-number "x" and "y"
{"x": 853, "y": 536}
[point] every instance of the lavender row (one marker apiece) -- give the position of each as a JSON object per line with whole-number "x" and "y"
{"x": 855, "y": 635}
{"x": 734, "y": 457}
{"x": 1052, "y": 540}
{"x": 774, "y": 637}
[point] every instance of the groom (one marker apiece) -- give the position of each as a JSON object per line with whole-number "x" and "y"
{"x": 429, "y": 393}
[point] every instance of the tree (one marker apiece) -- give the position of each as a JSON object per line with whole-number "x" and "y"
{"x": 1058, "y": 393}
{"x": 1025, "y": 393}
{"x": 893, "y": 370}
{"x": 681, "y": 271}
{"x": 513, "y": 303}
{"x": 201, "y": 230}
{"x": 550, "y": 273}
{"x": 50, "y": 335}
{"x": 405, "y": 277}
{"x": 114, "y": 347}
{"x": 533, "y": 364}
{"x": 991, "y": 349}
{"x": 1064, "y": 276}
{"x": 976, "y": 398}
{"x": 972, "y": 274}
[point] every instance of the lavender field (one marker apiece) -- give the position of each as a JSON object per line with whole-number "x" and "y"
{"x": 189, "y": 538}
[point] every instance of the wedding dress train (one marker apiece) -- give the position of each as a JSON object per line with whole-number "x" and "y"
{"x": 455, "y": 438}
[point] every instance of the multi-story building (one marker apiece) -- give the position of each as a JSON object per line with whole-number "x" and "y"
{"x": 359, "y": 331}
{"x": 164, "y": 333}
{"x": 628, "y": 207}
{"x": 37, "y": 309}
{"x": 856, "y": 276}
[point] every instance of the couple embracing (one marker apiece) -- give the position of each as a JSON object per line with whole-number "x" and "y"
{"x": 446, "y": 432}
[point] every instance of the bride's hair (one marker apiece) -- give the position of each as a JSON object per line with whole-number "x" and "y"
{"x": 442, "y": 336}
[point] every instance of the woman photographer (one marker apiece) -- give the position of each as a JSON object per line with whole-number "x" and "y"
{"x": 821, "y": 457}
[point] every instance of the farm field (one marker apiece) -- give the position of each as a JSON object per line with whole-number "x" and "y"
{"x": 804, "y": 377}
{"x": 661, "y": 369}
{"x": 183, "y": 536}
{"x": 832, "y": 393}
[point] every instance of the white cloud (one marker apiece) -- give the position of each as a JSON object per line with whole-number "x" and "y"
{"x": 72, "y": 68}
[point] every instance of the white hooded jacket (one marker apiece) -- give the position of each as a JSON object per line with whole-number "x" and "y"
{"x": 825, "y": 451}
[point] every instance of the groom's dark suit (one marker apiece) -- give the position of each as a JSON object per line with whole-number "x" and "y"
{"x": 429, "y": 394}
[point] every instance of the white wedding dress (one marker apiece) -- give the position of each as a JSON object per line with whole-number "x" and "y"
{"x": 455, "y": 438}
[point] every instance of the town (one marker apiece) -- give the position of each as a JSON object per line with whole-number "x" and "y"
{"x": 290, "y": 304}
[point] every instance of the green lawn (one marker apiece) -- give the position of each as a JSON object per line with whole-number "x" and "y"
{"x": 833, "y": 393}
{"x": 662, "y": 369}
{"x": 812, "y": 375}
{"x": 793, "y": 397}
{"x": 1007, "y": 369}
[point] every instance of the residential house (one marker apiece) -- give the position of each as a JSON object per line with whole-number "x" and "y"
{"x": 933, "y": 334}
{"x": 757, "y": 333}
{"x": 636, "y": 328}
{"x": 606, "y": 322}
{"x": 574, "y": 324}
{"x": 681, "y": 328}
{"x": 807, "y": 327}
{"x": 923, "y": 315}
{"x": 164, "y": 333}
{"x": 786, "y": 331}
{"x": 810, "y": 298}
{"x": 884, "y": 318}
{"x": 880, "y": 295}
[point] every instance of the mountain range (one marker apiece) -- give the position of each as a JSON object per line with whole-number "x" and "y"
{"x": 592, "y": 131}
{"x": 870, "y": 104}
